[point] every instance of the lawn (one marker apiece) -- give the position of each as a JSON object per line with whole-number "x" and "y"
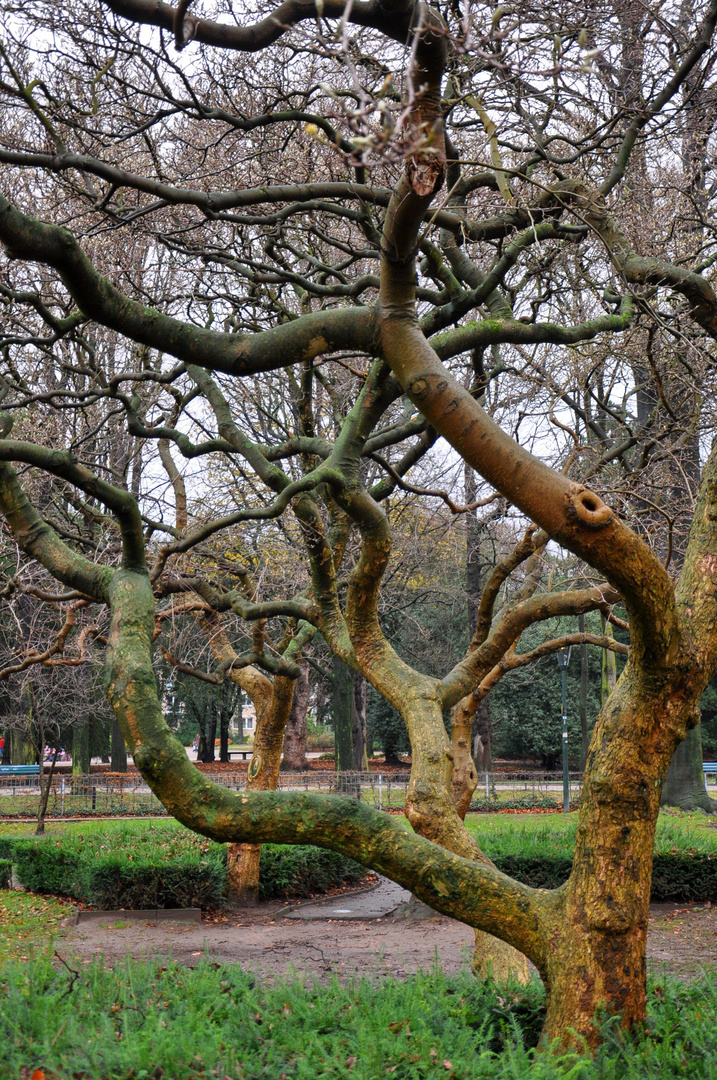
{"x": 28, "y": 923}
{"x": 676, "y": 831}
{"x": 533, "y": 835}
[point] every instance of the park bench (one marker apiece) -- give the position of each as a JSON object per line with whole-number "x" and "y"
{"x": 243, "y": 754}
{"x": 19, "y": 770}
{"x": 709, "y": 768}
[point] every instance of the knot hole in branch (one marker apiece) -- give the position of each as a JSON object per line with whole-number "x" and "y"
{"x": 589, "y": 508}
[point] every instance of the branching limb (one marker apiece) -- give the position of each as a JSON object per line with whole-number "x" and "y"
{"x": 63, "y": 464}
{"x": 515, "y": 618}
{"x": 39, "y": 540}
{"x": 32, "y": 656}
{"x": 303, "y": 338}
{"x": 533, "y": 542}
{"x": 390, "y": 18}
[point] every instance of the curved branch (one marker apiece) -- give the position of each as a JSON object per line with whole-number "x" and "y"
{"x": 64, "y": 465}
{"x": 38, "y": 539}
{"x": 473, "y": 892}
{"x": 502, "y": 331}
{"x": 388, "y": 17}
{"x": 516, "y": 660}
{"x": 433, "y": 493}
{"x": 515, "y": 618}
{"x": 569, "y": 512}
{"x": 58, "y": 646}
{"x": 232, "y": 600}
{"x": 530, "y": 545}
{"x": 300, "y": 339}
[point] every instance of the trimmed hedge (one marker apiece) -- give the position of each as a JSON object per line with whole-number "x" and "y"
{"x": 675, "y": 878}
{"x": 541, "y": 872}
{"x": 118, "y": 881}
{"x": 5, "y": 873}
{"x": 188, "y": 873}
{"x": 523, "y": 802}
{"x": 302, "y": 870}
{"x": 167, "y": 867}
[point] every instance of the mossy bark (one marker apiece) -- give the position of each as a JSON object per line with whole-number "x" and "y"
{"x": 342, "y": 700}
{"x": 118, "y": 753}
{"x": 295, "y": 736}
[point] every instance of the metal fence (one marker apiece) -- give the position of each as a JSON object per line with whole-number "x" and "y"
{"x": 128, "y": 794}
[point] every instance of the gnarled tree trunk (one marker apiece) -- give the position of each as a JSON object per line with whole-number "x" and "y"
{"x": 118, "y": 751}
{"x": 358, "y": 724}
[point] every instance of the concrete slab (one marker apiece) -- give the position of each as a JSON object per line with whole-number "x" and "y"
{"x": 374, "y": 903}
{"x": 142, "y": 915}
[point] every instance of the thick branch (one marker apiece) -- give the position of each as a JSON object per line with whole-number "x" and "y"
{"x": 300, "y": 339}
{"x": 38, "y": 539}
{"x": 515, "y": 618}
{"x": 389, "y": 18}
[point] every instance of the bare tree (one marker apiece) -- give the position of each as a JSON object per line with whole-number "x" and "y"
{"x": 300, "y": 251}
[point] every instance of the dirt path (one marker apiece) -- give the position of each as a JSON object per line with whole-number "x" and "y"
{"x": 682, "y": 939}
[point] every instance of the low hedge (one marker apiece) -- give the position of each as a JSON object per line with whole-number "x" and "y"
{"x": 522, "y": 802}
{"x": 5, "y": 873}
{"x": 302, "y": 870}
{"x": 164, "y": 866}
{"x": 178, "y": 870}
{"x": 118, "y": 880}
{"x": 675, "y": 878}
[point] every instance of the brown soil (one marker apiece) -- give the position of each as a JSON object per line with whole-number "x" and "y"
{"x": 682, "y": 938}
{"x": 682, "y": 941}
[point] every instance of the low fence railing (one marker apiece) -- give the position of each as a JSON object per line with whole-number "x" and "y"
{"x": 128, "y": 794}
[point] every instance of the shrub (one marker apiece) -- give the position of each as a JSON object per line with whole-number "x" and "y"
{"x": 159, "y": 865}
{"x": 538, "y": 851}
{"x": 319, "y": 737}
{"x": 109, "y": 880}
{"x": 5, "y": 873}
{"x": 524, "y": 802}
{"x": 303, "y": 870}
{"x": 675, "y": 878}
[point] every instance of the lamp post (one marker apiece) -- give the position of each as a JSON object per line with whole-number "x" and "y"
{"x": 563, "y": 657}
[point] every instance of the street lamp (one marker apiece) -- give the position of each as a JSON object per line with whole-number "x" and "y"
{"x": 563, "y": 657}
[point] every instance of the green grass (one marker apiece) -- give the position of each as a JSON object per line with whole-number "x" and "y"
{"x": 554, "y": 834}
{"x": 499, "y": 834}
{"x": 149, "y": 1019}
{"x": 91, "y": 826}
{"x": 28, "y": 923}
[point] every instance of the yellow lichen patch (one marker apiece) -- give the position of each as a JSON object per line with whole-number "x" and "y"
{"x": 315, "y": 347}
